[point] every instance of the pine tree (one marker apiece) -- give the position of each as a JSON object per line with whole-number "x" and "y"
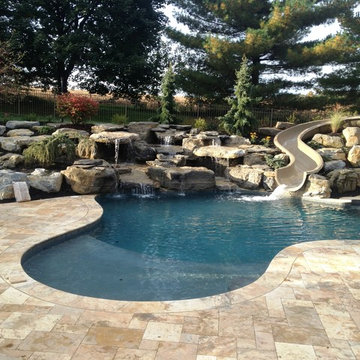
{"x": 167, "y": 99}
{"x": 9, "y": 70}
{"x": 270, "y": 33}
{"x": 239, "y": 119}
{"x": 343, "y": 84}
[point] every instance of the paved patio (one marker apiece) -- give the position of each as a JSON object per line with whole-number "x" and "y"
{"x": 306, "y": 306}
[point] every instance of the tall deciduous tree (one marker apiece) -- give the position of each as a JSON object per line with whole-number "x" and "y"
{"x": 270, "y": 33}
{"x": 112, "y": 43}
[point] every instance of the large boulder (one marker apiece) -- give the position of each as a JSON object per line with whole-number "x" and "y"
{"x": 236, "y": 140}
{"x": 344, "y": 180}
{"x": 268, "y": 131}
{"x": 247, "y": 177}
{"x": 11, "y": 161}
{"x": 255, "y": 159}
{"x": 183, "y": 178}
{"x": 142, "y": 152}
{"x": 18, "y": 143}
{"x": 283, "y": 125}
{"x": 170, "y": 136}
{"x": 47, "y": 181}
{"x": 17, "y": 124}
{"x": 72, "y": 133}
{"x": 251, "y": 149}
{"x": 328, "y": 140}
{"x": 168, "y": 160}
{"x": 354, "y": 156}
{"x": 2, "y": 130}
{"x": 200, "y": 140}
{"x": 106, "y": 127}
{"x": 352, "y": 135}
{"x": 332, "y": 154}
{"x": 222, "y": 152}
{"x": 91, "y": 177}
{"x": 7, "y": 177}
{"x": 109, "y": 137}
{"x": 334, "y": 165}
{"x": 143, "y": 129}
{"x": 269, "y": 181}
{"x": 20, "y": 132}
{"x": 137, "y": 181}
{"x": 318, "y": 186}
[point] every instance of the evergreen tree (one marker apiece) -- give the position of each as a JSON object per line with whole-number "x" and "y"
{"x": 270, "y": 33}
{"x": 9, "y": 71}
{"x": 344, "y": 83}
{"x": 239, "y": 119}
{"x": 167, "y": 99}
{"x": 111, "y": 43}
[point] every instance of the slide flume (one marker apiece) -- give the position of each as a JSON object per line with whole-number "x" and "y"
{"x": 303, "y": 159}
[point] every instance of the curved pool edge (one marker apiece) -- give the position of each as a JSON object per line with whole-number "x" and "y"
{"x": 64, "y": 217}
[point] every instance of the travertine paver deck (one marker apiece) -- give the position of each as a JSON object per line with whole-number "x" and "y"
{"x": 306, "y": 306}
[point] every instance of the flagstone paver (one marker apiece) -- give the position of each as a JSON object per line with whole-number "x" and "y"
{"x": 306, "y": 306}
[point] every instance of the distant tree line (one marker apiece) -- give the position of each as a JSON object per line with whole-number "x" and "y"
{"x": 116, "y": 47}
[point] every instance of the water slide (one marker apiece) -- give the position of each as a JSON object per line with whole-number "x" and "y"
{"x": 303, "y": 159}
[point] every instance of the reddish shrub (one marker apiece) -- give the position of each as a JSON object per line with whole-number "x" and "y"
{"x": 77, "y": 108}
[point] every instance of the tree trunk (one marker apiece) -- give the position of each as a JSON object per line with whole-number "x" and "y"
{"x": 255, "y": 71}
{"x": 62, "y": 84}
{"x": 62, "y": 79}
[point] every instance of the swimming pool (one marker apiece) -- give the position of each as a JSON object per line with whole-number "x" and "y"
{"x": 173, "y": 247}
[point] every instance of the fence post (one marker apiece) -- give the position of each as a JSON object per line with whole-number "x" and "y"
{"x": 18, "y": 105}
{"x": 126, "y": 110}
{"x": 271, "y": 116}
{"x": 54, "y": 112}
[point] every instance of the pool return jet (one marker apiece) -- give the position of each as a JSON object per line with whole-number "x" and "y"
{"x": 303, "y": 159}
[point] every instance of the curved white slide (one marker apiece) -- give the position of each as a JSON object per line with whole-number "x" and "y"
{"x": 303, "y": 159}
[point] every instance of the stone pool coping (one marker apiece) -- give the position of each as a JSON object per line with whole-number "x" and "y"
{"x": 88, "y": 213}
{"x": 270, "y": 318}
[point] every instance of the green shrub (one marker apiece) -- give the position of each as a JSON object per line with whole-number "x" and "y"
{"x": 45, "y": 130}
{"x": 291, "y": 118}
{"x": 336, "y": 119}
{"x": 314, "y": 145}
{"x": 119, "y": 119}
{"x": 49, "y": 151}
{"x": 265, "y": 141}
{"x": 274, "y": 163}
{"x": 30, "y": 117}
{"x": 87, "y": 148}
{"x": 200, "y": 123}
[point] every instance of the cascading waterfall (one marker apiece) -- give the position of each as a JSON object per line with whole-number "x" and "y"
{"x": 143, "y": 190}
{"x": 166, "y": 140}
{"x": 117, "y": 147}
{"x": 227, "y": 168}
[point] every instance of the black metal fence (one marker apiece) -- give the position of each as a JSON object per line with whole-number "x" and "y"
{"x": 43, "y": 104}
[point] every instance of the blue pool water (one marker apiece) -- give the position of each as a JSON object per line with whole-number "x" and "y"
{"x": 179, "y": 247}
